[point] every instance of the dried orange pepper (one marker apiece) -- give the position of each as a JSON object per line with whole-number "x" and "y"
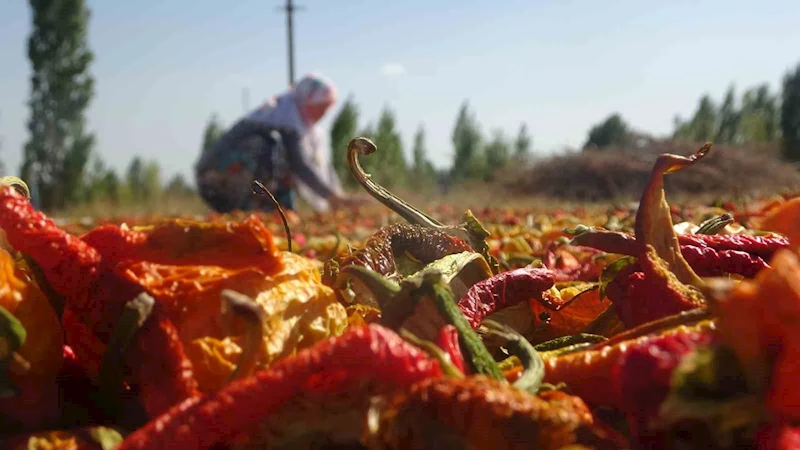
{"x": 298, "y": 311}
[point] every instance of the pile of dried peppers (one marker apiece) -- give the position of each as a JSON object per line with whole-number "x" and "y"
{"x": 644, "y": 327}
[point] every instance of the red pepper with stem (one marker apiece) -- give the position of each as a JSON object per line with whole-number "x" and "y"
{"x": 366, "y": 352}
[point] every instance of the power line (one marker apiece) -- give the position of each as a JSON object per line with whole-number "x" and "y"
{"x": 290, "y": 8}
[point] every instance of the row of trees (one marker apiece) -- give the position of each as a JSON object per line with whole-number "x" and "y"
{"x": 62, "y": 169}
{"x": 58, "y": 159}
{"x": 757, "y": 116}
{"x": 475, "y": 157}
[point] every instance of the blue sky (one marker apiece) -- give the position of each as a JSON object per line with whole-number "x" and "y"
{"x": 163, "y": 68}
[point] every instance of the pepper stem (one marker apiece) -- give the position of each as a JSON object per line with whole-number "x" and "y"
{"x": 244, "y": 307}
{"x": 448, "y": 368}
{"x": 259, "y": 188}
{"x": 17, "y": 184}
{"x": 715, "y": 224}
{"x": 133, "y": 317}
{"x": 365, "y": 146}
{"x": 532, "y": 363}
{"x": 469, "y": 230}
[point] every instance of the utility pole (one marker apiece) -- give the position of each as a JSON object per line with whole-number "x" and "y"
{"x": 290, "y": 8}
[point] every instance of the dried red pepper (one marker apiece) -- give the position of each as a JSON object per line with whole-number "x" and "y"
{"x": 602, "y": 359}
{"x": 481, "y": 413}
{"x": 447, "y": 340}
{"x": 95, "y": 298}
{"x": 503, "y": 290}
{"x": 368, "y": 352}
{"x": 709, "y": 262}
{"x": 762, "y": 246}
{"x": 778, "y": 437}
{"x": 180, "y": 242}
{"x": 642, "y": 379}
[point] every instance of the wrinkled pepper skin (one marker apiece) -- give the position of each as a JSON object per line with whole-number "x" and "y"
{"x": 708, "y": 255}
{"x": 482, "y": 413}
{"x": 503, "y": 290}
{"x": 762, "y": 246}
{"x": 379, "y": 252}
{"x": 371, "y": 352}
{"x": 642, "y": 379}
{"x": 179, "y": 242}
{"x": 95, "y": 297}
{"x": 602, "y": 361}
{"x": 709, "y": 262}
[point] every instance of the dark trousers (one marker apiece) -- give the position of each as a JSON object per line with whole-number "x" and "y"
{"x": 247, "y": 152}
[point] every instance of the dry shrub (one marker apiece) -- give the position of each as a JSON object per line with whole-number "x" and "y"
{"x": 621, "y": 174}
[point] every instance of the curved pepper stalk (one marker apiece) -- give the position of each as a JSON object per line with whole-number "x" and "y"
{"x": 470, "y": 229}
{"x": 665, "y": 283}
{"x": 532, "y": 363}
{"x": 245, "y": 308}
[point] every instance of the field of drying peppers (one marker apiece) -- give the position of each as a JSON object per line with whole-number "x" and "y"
{"x": 386, "y": 327}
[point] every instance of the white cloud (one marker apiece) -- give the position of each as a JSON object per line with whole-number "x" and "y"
{"x": 391, "y": 69}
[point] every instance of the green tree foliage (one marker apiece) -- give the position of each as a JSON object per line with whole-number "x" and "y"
{"x": 756, "y": 120}
{"x": 178, "y": 187}
{"x": 759, "y": 115}
{"x": 134, "y": 178}
{"x": 151, "y": 179}
{"x": 704, "y": 124}
{"x": 423, "y": 171}
{"x": 790, "y": 115}
{"x": 211, "y": 134}
{"x": 470, "y": 160}
{"x": 94, "y": 178}
{"x": 497, "y": 152}
{"x": 342, "y": 130}
{"x": 522, "y": 144}
{"x": 59, "y": 146}
{"x": 112, "y": 187}
{"x": 729, "y": 119}
{"x": 388, "y": 164}
{"x": 101, "y": 183}
{"x": 612, "y": 132}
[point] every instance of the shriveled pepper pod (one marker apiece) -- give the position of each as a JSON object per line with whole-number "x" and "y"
{"x": 373, "y": 352}
{"x": 483, "y": 413}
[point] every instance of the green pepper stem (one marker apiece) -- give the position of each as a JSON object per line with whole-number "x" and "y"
{"x": 244, "y": 307}
{"x": 365, "y": 146}
{"x": 112, "y": 366}
{"x": 448, "y": 368}
{"x": 715, "y": 224}
{"x": 470, "y": 230}
{"x": 532, "y": 363}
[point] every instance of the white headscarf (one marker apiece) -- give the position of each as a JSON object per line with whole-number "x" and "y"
{"x": 284, "y": 111}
